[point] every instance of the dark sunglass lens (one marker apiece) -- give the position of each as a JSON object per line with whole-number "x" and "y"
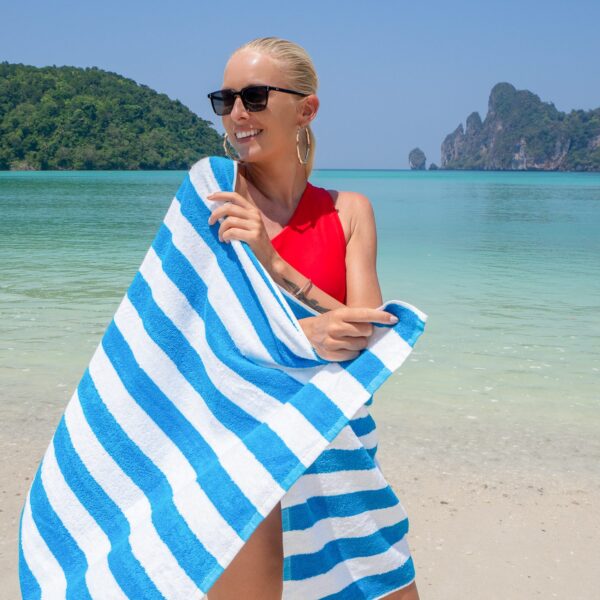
{"x": 255, "y": 97}
{"x": 217, "y": 105}
{"x": 222, "y": 102}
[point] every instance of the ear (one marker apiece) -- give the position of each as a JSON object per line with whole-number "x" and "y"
{"x": 308, "y": 110}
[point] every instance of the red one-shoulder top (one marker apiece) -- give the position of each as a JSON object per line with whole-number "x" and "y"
{"x": 313, "y": 242}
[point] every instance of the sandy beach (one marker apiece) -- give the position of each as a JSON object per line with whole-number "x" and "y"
{"x": 490, "y": 518}
{"x": 495, "y": 519}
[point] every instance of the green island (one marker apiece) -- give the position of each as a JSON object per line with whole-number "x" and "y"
{"x": 520, "y": 132}
{"x": 87, "y": 118}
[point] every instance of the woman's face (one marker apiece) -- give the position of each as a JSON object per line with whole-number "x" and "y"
{"x": 278, "y": 123}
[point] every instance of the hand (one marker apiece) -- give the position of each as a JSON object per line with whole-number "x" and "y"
{"x": 243, "y": 222}
{"x": 341, "y": 333}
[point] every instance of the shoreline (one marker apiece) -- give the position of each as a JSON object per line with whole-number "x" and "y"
{"x": 315, "y": 170}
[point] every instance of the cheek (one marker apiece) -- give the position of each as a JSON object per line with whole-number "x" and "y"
{"x": 281, "y": 131}
{"x": 281, "y": 120}
{"x": 226, "y": 123}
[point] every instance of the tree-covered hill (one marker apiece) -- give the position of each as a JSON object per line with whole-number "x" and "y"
{"x": 73, "y": 118}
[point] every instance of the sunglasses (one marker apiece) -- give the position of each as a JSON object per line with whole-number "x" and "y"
{"x": 254, "y": 98}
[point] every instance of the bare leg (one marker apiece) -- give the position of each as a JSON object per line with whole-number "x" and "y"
{"x": 256, "y": 572}
{"x": 406, "y": 593}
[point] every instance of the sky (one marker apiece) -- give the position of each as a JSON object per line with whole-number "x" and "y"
{"x": 394, "y": 75}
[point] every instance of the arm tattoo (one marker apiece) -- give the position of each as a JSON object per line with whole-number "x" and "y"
{"x": 314, "y": 304}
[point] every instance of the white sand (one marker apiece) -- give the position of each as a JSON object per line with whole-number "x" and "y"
{"x": 490, "y": 518}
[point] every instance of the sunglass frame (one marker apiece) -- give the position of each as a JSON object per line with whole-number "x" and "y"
{"x": 249, "y": 106}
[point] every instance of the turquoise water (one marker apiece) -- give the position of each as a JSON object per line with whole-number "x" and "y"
{"x": 506, "y": 265}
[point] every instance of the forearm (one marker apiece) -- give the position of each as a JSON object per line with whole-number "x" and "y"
{"x": 292, "y": 280}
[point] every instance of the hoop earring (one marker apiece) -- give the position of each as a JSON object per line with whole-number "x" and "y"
{"x": 305, "y": 161}
{"x": 226, "y": 148}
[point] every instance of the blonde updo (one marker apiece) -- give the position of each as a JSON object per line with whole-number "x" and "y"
{"x": 300, "y": 73}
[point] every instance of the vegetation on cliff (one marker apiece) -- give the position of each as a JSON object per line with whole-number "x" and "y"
{"x": 73, "y": 118}
{"x": 520, "y": 132}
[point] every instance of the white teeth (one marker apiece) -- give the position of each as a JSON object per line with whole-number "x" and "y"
{"x": 243, "y": 134}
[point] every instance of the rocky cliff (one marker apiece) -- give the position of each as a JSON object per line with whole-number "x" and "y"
{"x": 520, "y": 132}
{"x": 417, "y": 159}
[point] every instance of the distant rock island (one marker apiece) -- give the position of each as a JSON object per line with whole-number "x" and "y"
{"x": 520, "y": 132}
{"x": 73, "y": 118}
{"x": 417, "y": 159}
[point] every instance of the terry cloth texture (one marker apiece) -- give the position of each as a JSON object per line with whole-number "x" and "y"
{"x": 202, "y": 407}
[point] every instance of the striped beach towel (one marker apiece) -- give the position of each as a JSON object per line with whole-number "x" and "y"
{"x": 203, "y": 406}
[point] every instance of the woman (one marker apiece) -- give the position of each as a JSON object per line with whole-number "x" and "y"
{"x": 270, "y": 131}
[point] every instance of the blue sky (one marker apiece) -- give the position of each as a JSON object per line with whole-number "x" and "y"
{"x": 393, "y": 74}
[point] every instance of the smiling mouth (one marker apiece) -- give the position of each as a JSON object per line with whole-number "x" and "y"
{"x": 247, "y": 135}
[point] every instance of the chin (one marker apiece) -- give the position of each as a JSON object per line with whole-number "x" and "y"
{"x": 251, "y": 155}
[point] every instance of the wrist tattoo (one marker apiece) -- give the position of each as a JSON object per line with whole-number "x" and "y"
{"x": 314, "y": 304}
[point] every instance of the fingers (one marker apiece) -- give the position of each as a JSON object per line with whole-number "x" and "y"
{"x": 345, "y": 348}
{"x": 227, "y": 210}
{"x": 343, "y": 328}
{"x": 238, "y": 222}
{"x": 339, "y": 349}
{"x": 238, "y": 229}
{"x": 333, "y": 351}
{"x": 354, "y": 344}
{"x": 356, "y": 322}
{"x": 342, "y": 347}
{"x": 233, "y": 197}
{"x": 367, "y": 315}
{"x": 337, "y": 356}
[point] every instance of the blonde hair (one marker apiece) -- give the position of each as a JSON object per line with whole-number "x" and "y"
{"x": 299, "y": 70}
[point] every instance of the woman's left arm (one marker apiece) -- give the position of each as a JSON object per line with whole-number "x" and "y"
{"x": 362, "y": 283}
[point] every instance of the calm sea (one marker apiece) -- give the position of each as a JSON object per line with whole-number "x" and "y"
{"x": 506, "y": 265}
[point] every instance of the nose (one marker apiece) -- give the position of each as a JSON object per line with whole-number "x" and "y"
{"x": 238, "y": 110}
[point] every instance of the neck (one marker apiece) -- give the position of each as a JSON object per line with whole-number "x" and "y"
{"x": 280, "y": 180}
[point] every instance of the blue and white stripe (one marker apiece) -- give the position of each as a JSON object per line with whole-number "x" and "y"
{"x": 202, "y": 407}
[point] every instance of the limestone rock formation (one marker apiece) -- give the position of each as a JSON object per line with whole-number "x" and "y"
{"x": 520, "y": 132}
{"x": 416, "y": 159}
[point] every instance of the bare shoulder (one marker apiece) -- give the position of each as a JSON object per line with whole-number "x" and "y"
{"x": 352, "y": 208}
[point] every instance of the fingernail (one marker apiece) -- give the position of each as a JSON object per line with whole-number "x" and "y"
{"x": 393, "y": 319}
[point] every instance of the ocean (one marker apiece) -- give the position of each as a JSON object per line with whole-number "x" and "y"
{"x": 506, "y": 265}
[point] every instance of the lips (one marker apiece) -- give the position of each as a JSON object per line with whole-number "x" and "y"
{"x": 255, "y": 133}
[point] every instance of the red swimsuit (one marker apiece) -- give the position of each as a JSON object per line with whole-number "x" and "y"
{"x": 313, "y": 242}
